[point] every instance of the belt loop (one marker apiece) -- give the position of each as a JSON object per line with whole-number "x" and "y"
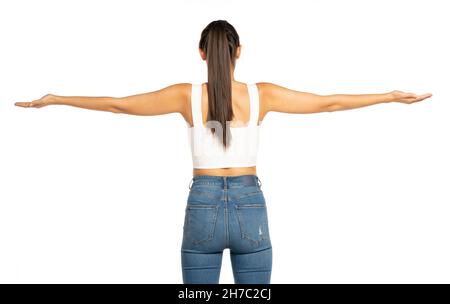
{"x": 259, "y": 182}
{"x": 190, "y": 183}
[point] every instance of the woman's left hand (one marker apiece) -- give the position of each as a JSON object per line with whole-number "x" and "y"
{"x": 38, "y": 103}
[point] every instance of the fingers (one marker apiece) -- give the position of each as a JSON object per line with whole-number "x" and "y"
{"x": 24, "y": 104}
{"x": 409, "y": 98}
{"x": 425, "y": 96}
{"x": 422, "y": 97}
{"x": 28, "y": 104}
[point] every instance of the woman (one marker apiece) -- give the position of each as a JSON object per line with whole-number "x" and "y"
{"x": 226, "y": 207}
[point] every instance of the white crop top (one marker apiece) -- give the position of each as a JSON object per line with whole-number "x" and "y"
{"x": 207, "y": 149}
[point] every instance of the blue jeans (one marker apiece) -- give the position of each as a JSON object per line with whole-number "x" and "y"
{"x": 226, "y": 212}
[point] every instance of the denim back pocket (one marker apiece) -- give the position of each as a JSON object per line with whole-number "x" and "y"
{"x": 253, "y": 222}
{"x": 200, "y": 222}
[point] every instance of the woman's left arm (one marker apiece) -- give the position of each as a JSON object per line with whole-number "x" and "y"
{"x": 170, "y": 99}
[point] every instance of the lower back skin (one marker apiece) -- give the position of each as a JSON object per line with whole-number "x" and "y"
{"x": 226, "y": 171}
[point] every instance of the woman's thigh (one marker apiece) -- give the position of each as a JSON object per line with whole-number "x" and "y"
{"x": 250, "y": 244}
{"x": 203, "y": 236}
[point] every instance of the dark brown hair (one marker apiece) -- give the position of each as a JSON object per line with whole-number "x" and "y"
{"x": 219, "y": 40}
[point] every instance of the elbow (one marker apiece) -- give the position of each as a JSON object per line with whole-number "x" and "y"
{"x": 332, "y": 107}
{"x": 329, "y": 103}
{"x": 332, "y": 103}
{"x": 116, "y": 106}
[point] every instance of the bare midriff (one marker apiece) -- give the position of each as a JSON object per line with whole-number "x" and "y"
{"x": 226, "y": 171}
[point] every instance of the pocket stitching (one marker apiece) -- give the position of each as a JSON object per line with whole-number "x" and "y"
{"x": 241, "y": 225}
{"x": 250, "y": 206}
{"x": 200, "y": 193}
{"x": 198, "y": 206}
{"x": 212, "y": 223}
{"x": 248, "y": 194}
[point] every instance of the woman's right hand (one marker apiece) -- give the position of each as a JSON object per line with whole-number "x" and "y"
{"x": 399, "y": 96}
{"x": 38, "y": 103}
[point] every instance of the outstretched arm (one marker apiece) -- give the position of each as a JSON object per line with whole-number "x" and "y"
{"x": 280, "y": 99}
{"x": 167, "y": 100}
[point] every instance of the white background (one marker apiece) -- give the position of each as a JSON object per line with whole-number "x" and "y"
{"x": 359, "y": 196}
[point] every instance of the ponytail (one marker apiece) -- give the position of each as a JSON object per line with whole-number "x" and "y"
{"x": 219, "y": 40}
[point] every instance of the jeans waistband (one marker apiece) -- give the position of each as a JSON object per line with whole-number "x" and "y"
{"x": 226, "y": 181}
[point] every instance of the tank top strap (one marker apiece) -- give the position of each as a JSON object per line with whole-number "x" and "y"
{"x": 254, "y": 104}
{"x": 196, "y": 105}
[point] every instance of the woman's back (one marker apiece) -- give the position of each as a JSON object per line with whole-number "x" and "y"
{"x": 207, "y": 148}
{"x": 240, "y": 101}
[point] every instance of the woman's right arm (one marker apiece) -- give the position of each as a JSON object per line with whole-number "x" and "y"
{"x": 280, "y": 99}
